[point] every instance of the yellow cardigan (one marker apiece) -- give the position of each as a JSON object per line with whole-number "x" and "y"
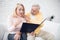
{"x": 36, "y": 20}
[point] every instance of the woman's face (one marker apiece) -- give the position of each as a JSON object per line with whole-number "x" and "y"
{"x": 20, "y": 10}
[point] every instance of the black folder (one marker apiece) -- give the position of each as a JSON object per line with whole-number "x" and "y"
{"x": 30, "y": 27}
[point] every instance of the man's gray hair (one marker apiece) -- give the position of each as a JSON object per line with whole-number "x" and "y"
{"x": 36, "y": 5}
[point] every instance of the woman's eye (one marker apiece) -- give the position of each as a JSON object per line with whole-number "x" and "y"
{"x": 19, "y": 9}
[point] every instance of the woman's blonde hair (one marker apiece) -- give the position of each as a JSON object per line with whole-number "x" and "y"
{"x": 15, "y": 11}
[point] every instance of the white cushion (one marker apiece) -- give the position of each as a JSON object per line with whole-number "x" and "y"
{"x": 3, "y": 30}
{"x": 51, "y": 27}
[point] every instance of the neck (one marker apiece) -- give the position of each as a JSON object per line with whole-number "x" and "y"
{"x": 20, "y": 16}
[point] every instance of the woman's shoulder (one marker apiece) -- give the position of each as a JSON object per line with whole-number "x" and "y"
{"x": 12, "y": 18}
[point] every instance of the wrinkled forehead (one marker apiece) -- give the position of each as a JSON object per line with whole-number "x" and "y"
{"x": 36, "y": 6}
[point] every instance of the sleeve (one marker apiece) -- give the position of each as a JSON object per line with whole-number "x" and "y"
{"x": 27, "y": 16}
{"x": 10, "y": 22}
{"x": 37, "y": 31}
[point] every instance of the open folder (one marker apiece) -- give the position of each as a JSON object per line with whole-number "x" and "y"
{"x": 29, "y": 27}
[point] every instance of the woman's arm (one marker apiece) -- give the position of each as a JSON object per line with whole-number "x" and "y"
{"x": 14, "y": 23}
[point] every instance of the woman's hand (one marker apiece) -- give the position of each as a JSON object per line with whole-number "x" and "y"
{"x": 17, "y": 35}
{"x": 27, "y": 18}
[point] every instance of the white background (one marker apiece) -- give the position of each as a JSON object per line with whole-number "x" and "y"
{"x": 48, "y": 8}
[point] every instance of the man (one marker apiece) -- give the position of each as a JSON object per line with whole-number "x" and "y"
{"x": 35, "y": 16}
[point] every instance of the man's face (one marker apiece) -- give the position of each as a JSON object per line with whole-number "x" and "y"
{"x": 34, "y": 10}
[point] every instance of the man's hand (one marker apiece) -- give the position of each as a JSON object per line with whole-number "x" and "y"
{"x": 32, "y": 33}
{"x": 16, "y": 37}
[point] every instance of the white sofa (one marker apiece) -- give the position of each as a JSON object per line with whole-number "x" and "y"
{"x": 3, "y": 32}
{"x": 50, "y": 27}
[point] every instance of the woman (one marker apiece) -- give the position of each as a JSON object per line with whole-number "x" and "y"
{"x": 16, "y": 22}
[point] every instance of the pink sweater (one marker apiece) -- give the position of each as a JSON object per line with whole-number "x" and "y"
{"x": 18, "y": 21}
